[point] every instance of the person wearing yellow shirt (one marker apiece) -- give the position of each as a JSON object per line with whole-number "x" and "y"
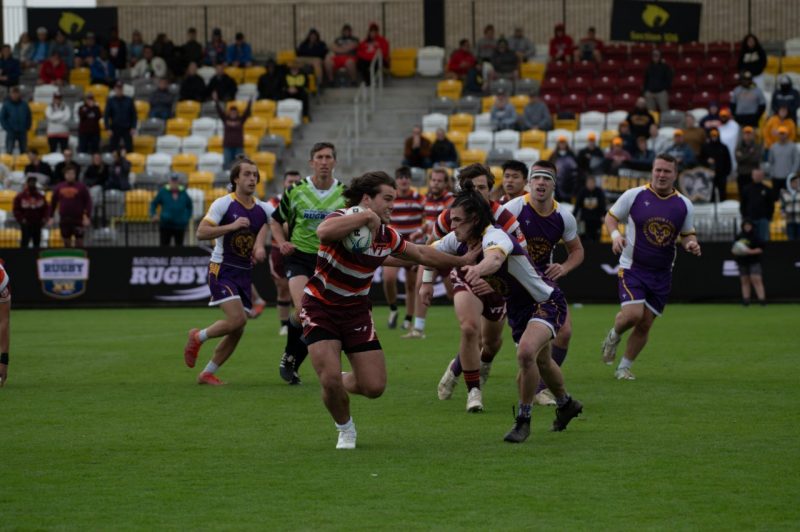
{"x": 776, "y": 121}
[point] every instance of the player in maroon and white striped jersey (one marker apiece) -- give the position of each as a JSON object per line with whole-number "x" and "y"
{"x": 407, "y": 220}
{"x": 438, "y": 198}
{"x": 336, "y": 310}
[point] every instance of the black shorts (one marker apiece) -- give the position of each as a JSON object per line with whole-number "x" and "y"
{"x": 300, "y": 263}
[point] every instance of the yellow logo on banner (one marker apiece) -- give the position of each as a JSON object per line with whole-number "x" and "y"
{"x": 655, "y": 16}
{"x": 70, "y": 23}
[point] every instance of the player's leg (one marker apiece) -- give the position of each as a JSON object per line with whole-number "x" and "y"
{"x": 411, "y": 296}
{"x": 390, "y": 291}
{"x": 284, "y": 303}
{"x": 558, "y": 350}
{"x": 420, "y": 314}
{"x": 758, "y": 285}
{"x": 744, "y": 280}
{"x": 535, "y": 336}
{"x": 632, "y": 291}
{"x": 491, "y": 341}
{"x": 231, "y": 329}
{"x": 636, "y": 342}
{"x": 326, "y": 359}
{"x": 258, "y": 302}
{"x": 5, "y": 333}
{"x": 468, "y": 309}
{"x": 368, "y": 375}
{"x": 295, "y": 351}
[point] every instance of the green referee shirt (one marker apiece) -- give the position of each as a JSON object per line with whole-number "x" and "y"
{"x": 303, "y": 207}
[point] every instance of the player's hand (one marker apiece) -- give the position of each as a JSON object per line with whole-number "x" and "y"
{"x": 240, "y": 223}
{"x": 3, "y": 374}
{"x": 259, "y": 254}
{"x": 471, "y": 274}
{"x": 86, "y": 220}
{"x": 481, "y": 287}
{"x": 373, "y": 221}
{"x": 472, "y": 254}
{"x": 287, "y": 248}
{"x": 555, "y": 271}
{"x": 426, "y": 293}
{"x": 416, "y": 236}
{"x": 618, "y": 245}
{"x": 693, "y": 247}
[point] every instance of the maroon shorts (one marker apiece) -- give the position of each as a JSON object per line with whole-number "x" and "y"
{"x": 351, "y": 325}
{"x": 70, "y": 229}
{"x": 276, "y": 263}
{"x": 494, "y": 306}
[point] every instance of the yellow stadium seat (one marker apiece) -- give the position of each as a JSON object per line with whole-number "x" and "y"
{"x": 10, "y": 238}
{"x": 188, "y": 109}
{"x": 486, "y": 103}
{"x": 214, "y": 194}
{"x": 215, "y": 144}
{"x": 137, "y": 161}
{"x": 250, "y": 144}
{"x": 256, "y": 125}
{"x": 99, "y": 90}
{"x": 7, "y": 200}
{"x": 790, "y": 63}
{"x": 202, "y": 180}
{"x": 773, "y": 65}
{"x": 497, "y": 172}
{"x": 606, "y": 137}
{"x": 39, "y": 143}
{"x": 533, "y": 138}
{"x": 236, "y": 73}
{"x": 55, "y": 240}
{"x": 403, "y": 63}
{"x": 458, "y": 138}
{"x": 473, "y": 156}
{"x": 532, "y": 71}
{"x": 21, "y": 162}
{"x": 282, "y": 126}
{"x": 519, "y": 102}
{"x": 570, "y": 124}
{"x": 241, "y": 105}
{"x": 80, "y": 77}
{"x": 545, "y": 153}
{"x": 462, "y": 122}
{"x": 252, "y": 73}
{"x": 37, "y": 112}
{"x": 185, "y": 163}
{"x": 430, "y": 135}
{"x": 180, "y": 127}
{"x": 142, "y": 109}
{"x": 265, "y": 161}
{"x": 144, "y": 144}
{"x": 137, "y": 204}
{"x": 449, "y": 88}
{"x": 285, "y": 57}
{"x": 7, "y": 159}
{"x": 264, "y": 108}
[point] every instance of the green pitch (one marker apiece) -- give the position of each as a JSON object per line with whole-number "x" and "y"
{"x": 103, "y": 428}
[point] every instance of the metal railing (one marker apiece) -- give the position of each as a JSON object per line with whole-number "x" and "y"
{"x": 364, "y": 104}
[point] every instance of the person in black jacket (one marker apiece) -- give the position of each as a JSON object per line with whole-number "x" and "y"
{"x": 222, "y": 85}
{"x": 657, "y": 83}
{"x": 120, "y": 118}
{"x": 271, "y": 82}
{"x": 443, "y": 152}
{"x": 96, "y": 173}
{"x": 590, "y": 208}
{"x": 758, "y": 204}
{"x": 748, "y": 249}
{"x": 752, "y": 57}
{"x": 193, "y": 87}
{"x": 714, "y": 154}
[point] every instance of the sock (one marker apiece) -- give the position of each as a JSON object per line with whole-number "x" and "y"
{"x": 613, "y": 334}
{"x": 419, "y": 324}
{"x": 284, "y": 303}
{"x": 525, "y": 410}
{"x": 293, "y": 341}
{"x": 211, "y": 367}
{"x": 455, "y": 365}
{"x": 564, "y": 399}
{"x": 625, "y": 363}
{"x": 393, "y": 307}
{"x": 202, "y": 336}
{"x": 407, "y": 318}
{"x": 285, "y": 322}
{"x": 259, "y": 301}
{"x": 472, "y": 378}
{"x": 345, "y": 426}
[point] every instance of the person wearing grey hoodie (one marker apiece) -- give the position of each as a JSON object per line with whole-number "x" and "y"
{"x": 790, "y": 205}
{"x": 536, "y": 115}
{"x": 784, "y": 159}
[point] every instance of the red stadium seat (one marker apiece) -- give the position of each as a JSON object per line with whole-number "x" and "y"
{"x": 598, "y": 102}
{"x": 557, "y": 68}
{"x": 730, "y": 81}
{"x": 578, "y": 85}
{"x": 625, "y": 100}
{"x": 551, "y": 100}
{"x": 610, "y": 67}
{"x": 684, "y": 82}
{"x": 641, "y": 50}
{"x": 635, "y": 66}
{"x": 725, "y": 98}
{"x": 719, "y": 47}
{"x": 616, "y": 51}
{"x": 604, "y": 83}
{"x": 711, "y": 81}
{"x": 553, "y": 84}
{"x": 687, "y": 65}
{"x": 631, "y": 83}
{"x": 669, "y": 52}
{"x": 695, "y": 50}
{"x": 584, "y": 68}
{"x": 703, "y": 98}
{"x": 679, "y": 99}
{"x": 571, "y": 103}
{"x": 715, "y": 63}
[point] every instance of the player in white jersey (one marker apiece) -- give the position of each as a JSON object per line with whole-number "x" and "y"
{"x": 5, "y": 320}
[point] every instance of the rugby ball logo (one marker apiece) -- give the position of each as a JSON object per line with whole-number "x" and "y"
{"x": 360, "y": 239}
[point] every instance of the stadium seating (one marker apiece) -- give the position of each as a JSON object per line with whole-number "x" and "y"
{"x": 215, "y": 144}
{"x": 194, "y": 144}
{"x": 265, "y": 161}
{"x": 281, "y": 126}
{"x": 434, "y": 121}
{"x": 264, "y": 108}
{"x": 137, "y": 205}
{"x": 483, "y": 122}
{"x": 470, "y": 156}
{"x": 430, "y": 61}
{"x": 480, "y": 140}
{"x": 187, "y": 109}
{"x": 203, "y": 127}
{"x": 184, "y": 163}
{"x": 144, "y": 144}
{"x": 290, "y": 108}
{"x": 180, "y": 127}
{"x": 210, "y": 162}
{"x": 158, "y": 164}
{"x": 533, "y": 139}
{"x": 506, "y": 139}
{"x": 403, "y": 62}
{"x": 449, "y": 88}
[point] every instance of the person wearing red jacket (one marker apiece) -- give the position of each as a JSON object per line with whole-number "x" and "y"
{"x": 461, "y": 61}
{"x": 368, "y": 48}
{"x": 561, "y": 45}
{"x": 53, "y": 71}
{"x": 73, "y": 203}
{"x": 31, "y": 212}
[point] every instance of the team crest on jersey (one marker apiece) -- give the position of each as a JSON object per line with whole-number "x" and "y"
{"x": 538, "y": 248}
{"x": 63, "y": 273}
{"x": 242, "y": 243}
{"x": 659, "y": 231}
{"x": 540, "y": 312}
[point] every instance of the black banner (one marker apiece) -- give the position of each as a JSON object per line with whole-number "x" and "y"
{"x": 177, "y": 276}
{"x": 74, "y": 22}
{"x": 655, "y": 22}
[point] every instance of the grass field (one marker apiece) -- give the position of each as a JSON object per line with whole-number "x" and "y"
{"x": 102, "y": 427}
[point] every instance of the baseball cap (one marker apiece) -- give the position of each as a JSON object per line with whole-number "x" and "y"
{"x": 725, "y": 112}
{"x": 783, "y": 129}
{"x": 591, "y": 136}
{"x": 617, "y": 141}
{"x": 747, "y": 129}
{"x": 677, "y": 132}
{"x": 562, "y": 138}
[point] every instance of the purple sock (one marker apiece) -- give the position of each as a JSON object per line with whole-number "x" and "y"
{"x": 455, "y": 365}
{"x": 559, "y": 354}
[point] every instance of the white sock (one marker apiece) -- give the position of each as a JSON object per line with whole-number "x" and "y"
{"x": 211, "y": 367}
{"x": 347, "y": 426}
{"x": 419, "y": 324}
{"x": 613, "y": 334}
{"x": 625, "y": 363}
{"x": 202, "y": 335}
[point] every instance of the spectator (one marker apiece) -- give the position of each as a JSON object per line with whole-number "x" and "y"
{"x": 790, "y": 205}
{"x": 312, "y": 51}
{"x": 657, "y": 83}
{"x": 752, "y": 59}
{"x": 117, "y": 50}
{"x": 590, "y": 208}
{"x": 162, "y": 101}
{"x": 655, "y": 142}
{"x": 89, "y": 116}
{"x": 640, "y": 119}
{"x": 120, "y": 118}
{"x": 728, "y": 132}
{"x": 64, "y": 49}
{"x": 716, "y": 156}
{"x": 683, "y": 153}
{"x": 695, "y": 136}
{"x": 175, "y": 211}
{"x": 5, "y": 176}
{"x": 536, "y": 115}
{"x": 38, "y": 168}
{"x": 73, "y": 203}
{"x": 786, "y": 95}
{"x": 239, "y": 54}
{"x": 461, "y": 61}
{"x": 271, "y": 83}
{"x": 102, "y": 69}
{"x": 233, "y": 136}
{"x": 53, "y": 71}
{"x": 590, "y": 48}
{"x": 485, "y": 46}
{"x": 749, "y": 154}
{"x": 150, "y": 65}
{"x": 193, "y": 87}
{"x": 566, "y": 169}
{"x": 15, "y": 117}
{"x": 748, "y": 101}
{"x": 39, "y": 51}
{"x": 443, "y": 152}
{"x": 643, "y": 156}
{"x": 561, "y": 45}
{"x": 343, "y": 55}
{"x": 503, "y": 114}
{"x": 628, "y": 140}
{"x": 164, "y": 48}
{"x": 750, "y": 263}
{"x": 417, "y": 150}
{"x": 96, "y": 174}
{"x": 616, "y": 156}
{"x": 505, "y": 62}
{"x": 90, "y": 49}
{"x": 9, "y": 67}
{"x": 119, "y": 173}
{"x": 136, "y": 48}
{"x": 296, "y": 86}
{"x": 58, "y": 116}
{"x": 368, "y": 49}
{"x": 776, "y": 121}
{"x": 192, "y": 50}
{"x": 784, "y": 159}
{"x": 221, "y": 86}
{"x": 712, "y": 119}
{"x": 216, "y": 49}
{"x": 22, "y": 49}
{"x": 31, "y": 213}
{"x": 591, "y": 158}
{"x": 521, "y": 45}
{"x": 58, "y": 171}
{"x": 758, "y": 204}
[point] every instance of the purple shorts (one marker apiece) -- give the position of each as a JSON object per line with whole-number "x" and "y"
{"x": 227, "y": 283}
{"x": 640, "y": 286}
{"x": 553, "y": 313}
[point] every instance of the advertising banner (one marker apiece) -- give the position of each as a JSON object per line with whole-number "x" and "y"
{"x": 74, "y": 22}
{"x": 655, "y": 22}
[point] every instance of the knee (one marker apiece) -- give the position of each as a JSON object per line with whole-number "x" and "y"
{"x": 643, "y": 326}
{"x": 492, "y": 345}
{"x": 373, "y": 390}
{"x": 469, "y": 329}
{"x": 237, "y": 323}
{"x": 330, "y": 381}
{"x": 524, "y": 357}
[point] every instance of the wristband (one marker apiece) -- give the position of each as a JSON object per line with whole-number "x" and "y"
{"x": 615, "y": 233}
{"x": 427, "y": 276}
{"x": 4, "y": 358}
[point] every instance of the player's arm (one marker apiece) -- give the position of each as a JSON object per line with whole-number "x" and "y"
{"x": 619, "y": 211}
{"x": 260, "y": 247}
{"x": 492, "y": 260}
{"x": 574, "y": 259}
{"x": 688, "y": 234}
{"x": 207, "y": 230}
{"x": 429, "y": 256}
{"x": 690, "y": 244}
{"x": 5, "y": 340}
{"x": 337, "y": 226}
